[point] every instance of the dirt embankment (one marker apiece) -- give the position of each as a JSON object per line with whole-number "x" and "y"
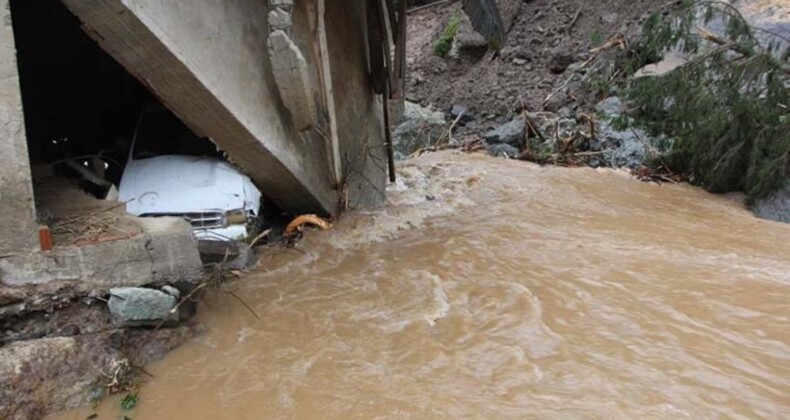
{"x": 542, "y": 32}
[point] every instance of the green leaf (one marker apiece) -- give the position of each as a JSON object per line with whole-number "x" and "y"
{"x": 129, "y": 402}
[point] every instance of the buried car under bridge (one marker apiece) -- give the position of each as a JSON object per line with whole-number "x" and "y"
{"x": 172, "y": 172}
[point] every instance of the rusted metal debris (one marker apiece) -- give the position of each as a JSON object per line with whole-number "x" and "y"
{"x": 294, "y": 229}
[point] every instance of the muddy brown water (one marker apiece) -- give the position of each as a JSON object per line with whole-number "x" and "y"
{"x": 492, "y": 289}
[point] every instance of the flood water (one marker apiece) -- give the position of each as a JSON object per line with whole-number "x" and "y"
{"x": 499, "y": 289}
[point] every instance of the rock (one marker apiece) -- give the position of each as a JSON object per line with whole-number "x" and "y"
{"x": 561, "y": 58}
{"x": 503, "y": 150}
{"x": 509, "y": 10}
{"x": 519, "y": 61}
{"x": 172, "y": 291}
{"x": 558, "y": 101}
{"x": 511, "y": 133}
{"x": 10, "y": 295}
{"x": 460, "y": 110}
{"x": 671, "y": 61}
{"x": 609, "y": 18}
{"x": 419, "y": 128}
{"x": 138, "y": 306}
{"x": 630, "y": 148}
{"x": 610, "y": 107}
{"x": 246, "y": 259}
{"x": 15, "y": 309}
{"x": 776, "y": 206}
{"x": 69, "y": 331}
{"x": 467, "y": 45}
{"x": 281, "y": 3}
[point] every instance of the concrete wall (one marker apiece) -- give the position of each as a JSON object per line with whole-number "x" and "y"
{"x": 359, "y": 110}
{"x": 207, "y": 60}
{"x": 17, "y": 209}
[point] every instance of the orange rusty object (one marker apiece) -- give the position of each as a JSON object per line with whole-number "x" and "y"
{"x": 306, "y": 219}
{"x": 45, "y": 238}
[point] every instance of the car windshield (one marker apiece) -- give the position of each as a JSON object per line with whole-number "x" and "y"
{"x": 162, "y": 133}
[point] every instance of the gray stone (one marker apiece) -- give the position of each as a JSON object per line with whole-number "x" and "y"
{"x": 561, "y": 58}
{"x": 557, "y": 101}
{"x": 280, "y": 20}
{"x": 610, "y": 107}
{"x": 246, "y": 259}
{"x": 12, "y": 310}
{"x": 419, "y": 128}
{"x": 511, "y": 133}
{"x": 293, "y": 80}
{"x": 281, "y": 3}
{"x": 776, "y": 206}
{"x": 461, "y": 111}
{"x": 467, "y": 45}
{"x": 630, "y": 148}
{"x": 172, "y": 291}
{"x": 503, "y": 150}
{"x": 509, "y": 10}
{"x": 137, "y": 306}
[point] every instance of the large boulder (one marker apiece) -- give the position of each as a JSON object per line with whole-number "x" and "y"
{"x": 418, "y": 128}
{"x": 776, "y": 206}
{"x": 511, "y": 134}
{"x": 468, "y": 45}
{"x": 139, "y": 306}
{"x": 509, "y": 11}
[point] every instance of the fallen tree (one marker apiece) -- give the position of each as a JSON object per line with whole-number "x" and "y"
{"x": 728, "y": 106}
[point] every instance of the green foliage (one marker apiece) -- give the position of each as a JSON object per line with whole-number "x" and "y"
{"x": 600, "y": 86}
{"x": 445, "y": 41}
{"x": 596, "y": 38}
{"x": 129, "y": 402}
{"x": 727, "y": 108}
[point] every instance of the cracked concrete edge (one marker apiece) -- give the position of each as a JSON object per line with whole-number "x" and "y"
{"x": 166, "y": 253}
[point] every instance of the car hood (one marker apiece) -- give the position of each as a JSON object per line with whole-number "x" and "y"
{"x": 184, "y": 184}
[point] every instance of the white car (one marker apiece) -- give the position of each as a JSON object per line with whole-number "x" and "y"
{"x": 171, "y": 172}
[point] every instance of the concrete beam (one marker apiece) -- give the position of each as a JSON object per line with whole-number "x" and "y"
{"x": 207, "y": 60}
{"x": 17, "y": 208}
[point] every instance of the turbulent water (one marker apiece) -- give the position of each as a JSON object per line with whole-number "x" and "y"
{"x": 498, "y": 289}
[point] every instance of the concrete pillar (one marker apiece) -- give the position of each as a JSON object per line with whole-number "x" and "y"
{"x": 359, "y": 110}
{"x": 18, "y": 231}
{"x": 207, "y": 60}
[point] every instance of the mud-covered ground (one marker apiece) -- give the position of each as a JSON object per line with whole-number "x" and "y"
{"x": 492, "y": 87}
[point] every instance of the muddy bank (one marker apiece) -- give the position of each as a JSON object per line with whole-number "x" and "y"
{"x": 525, "y": 71}
{"x": 46, "y": 375}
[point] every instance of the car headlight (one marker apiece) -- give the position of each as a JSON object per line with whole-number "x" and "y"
{"x": 236, "y": 217}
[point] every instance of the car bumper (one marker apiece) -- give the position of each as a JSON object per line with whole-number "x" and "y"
{"x": 230, "y": 233}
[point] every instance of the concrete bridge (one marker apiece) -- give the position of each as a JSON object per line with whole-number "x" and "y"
{"x": 285, "y": 88}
